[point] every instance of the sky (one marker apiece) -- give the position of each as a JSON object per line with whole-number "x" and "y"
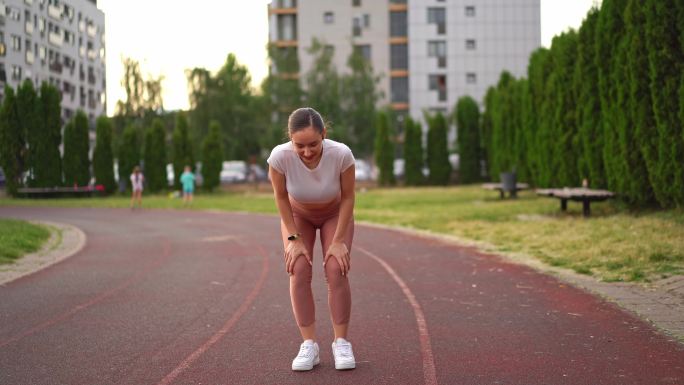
{"x": 202, "y": 33}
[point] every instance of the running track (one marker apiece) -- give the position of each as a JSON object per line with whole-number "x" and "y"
{"x": 173, "y": 297}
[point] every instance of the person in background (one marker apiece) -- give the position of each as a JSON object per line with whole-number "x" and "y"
{"x": 313, "y": 184}
{"x": 187, "y": 180}
{"x": 137, "y": 181}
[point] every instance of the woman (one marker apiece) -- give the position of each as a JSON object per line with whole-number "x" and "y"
{"x": 313, "y": 183}
{"x": 137, "y": 180}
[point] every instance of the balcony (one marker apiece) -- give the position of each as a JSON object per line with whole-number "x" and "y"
{"x": 56, "y": 39}
{"x": 91, "y": 79}
{"x": 55, "y": 12}
{"x": 92, "y": 54}
{"x": 30, "y": 57}
{"x": 92, "y": 30}
{"x": 56, "y": 67}
{"x": 81, "y": 26}
{"x": 285, "y": 43}
{"x": 28, "y": 27}
{"x": 3, "y": 49}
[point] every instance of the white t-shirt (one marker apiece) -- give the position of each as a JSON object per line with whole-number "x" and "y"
{"x": 318, "y": 185}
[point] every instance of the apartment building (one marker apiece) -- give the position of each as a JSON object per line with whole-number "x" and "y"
{"x": 428, "y": 52}
{"x": 56, "y": 41}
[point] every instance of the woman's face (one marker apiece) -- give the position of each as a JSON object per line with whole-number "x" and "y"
{"x": 308, "y": 143}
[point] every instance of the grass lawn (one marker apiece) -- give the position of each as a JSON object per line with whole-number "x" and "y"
{"x": 614, "y": 244}
{"x": 19, "y": 237}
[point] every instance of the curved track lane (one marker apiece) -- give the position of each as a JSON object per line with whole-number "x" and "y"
{"x": 172, "y": 297}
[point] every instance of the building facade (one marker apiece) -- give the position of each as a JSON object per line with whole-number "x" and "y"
{"x": 59, "y": 42}
{"x": 428, "y": 53}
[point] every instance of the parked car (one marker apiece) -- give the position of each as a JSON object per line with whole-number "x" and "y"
{"x": 234, "y": 171}
{"x": 362, "y": 170}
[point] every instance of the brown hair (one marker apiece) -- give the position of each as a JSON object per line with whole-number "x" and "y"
{"x": 305, "y": 117}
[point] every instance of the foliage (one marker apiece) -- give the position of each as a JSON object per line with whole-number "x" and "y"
{"x": 182, "y": 149}
{"x": 323, "y": 90}
{"x": 384, "y": 150}
{"x": 468, "y": 138}
{"x": 154, "y": 156}
{"x": 27, "y": 107}
{"x": 12, "y": 142}
{"x": 128, "y": 155}
{"x": 413, "y": 153}
{"x": 103, "y": 158}
{"x": 212, "y": 157}
{"x": 76, "y": 148}
{"x": 48, "y": 164}
{"x": 437, "y": 150}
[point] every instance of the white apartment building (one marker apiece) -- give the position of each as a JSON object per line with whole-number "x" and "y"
{"x": 61, "y": 42}
{"x": 428, "y": 52}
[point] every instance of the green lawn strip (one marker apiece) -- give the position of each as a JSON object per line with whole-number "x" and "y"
{"x": 18, "y": 238}
{"x": 614, "y": 245}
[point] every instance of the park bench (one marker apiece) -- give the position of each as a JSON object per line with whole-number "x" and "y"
{"x": 500, "y": 187}
{"x": 51, "y": 192}
{"x": 579, "y": 194}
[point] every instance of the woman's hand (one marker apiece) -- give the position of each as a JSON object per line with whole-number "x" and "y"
{"x": 294, "y": 250}
{"x": 339, "y": 251}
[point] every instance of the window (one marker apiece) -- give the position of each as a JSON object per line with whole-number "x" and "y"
{"x": 399, "y": 56}
{"x": 3, "y": 74}
{"x": 13, "y": 13}
{"x": 366, "y": 20}
{"x": 470, "y": 11}
{"x": 438, "y": 83}
{"x": 399, "y": 90}
{"x": 356, "y": 3}
{"x": 364, "y": 50}
{"x": 16, "y": 73}
{"x": 471, "y": 78}
{"x": 328, "y": 18}
{"x": 438, "y": 49}
{"x": 437, "y": 15}
{"x": 356, "y": 26}
{"x": 16, "y": 43}
{"x": 398, "y": 24}
{"x": 287, "y": 27}
{"x": 470, "y": 44}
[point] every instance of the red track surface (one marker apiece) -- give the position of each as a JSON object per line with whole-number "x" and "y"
{"x": 171, "y": 297}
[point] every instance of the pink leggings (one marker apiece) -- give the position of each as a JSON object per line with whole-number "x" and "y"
{"x": 339, "y": 294}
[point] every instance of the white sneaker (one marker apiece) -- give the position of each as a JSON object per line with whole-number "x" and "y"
{"x": 307, "y": 357}
{"x": 342, "y": 352}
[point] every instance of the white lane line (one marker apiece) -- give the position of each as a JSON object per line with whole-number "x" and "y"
{"x": 429, "y": 373}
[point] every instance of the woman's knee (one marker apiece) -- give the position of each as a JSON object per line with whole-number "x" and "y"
{"x": 301, "y": 273}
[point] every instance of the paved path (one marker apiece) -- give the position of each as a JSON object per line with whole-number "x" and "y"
{"x": 170, "y": 297}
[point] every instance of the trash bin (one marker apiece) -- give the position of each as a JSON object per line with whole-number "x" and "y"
{"x": 509, "y": 183}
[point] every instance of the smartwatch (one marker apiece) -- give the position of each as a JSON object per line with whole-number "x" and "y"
{"x": 293, "y": 237}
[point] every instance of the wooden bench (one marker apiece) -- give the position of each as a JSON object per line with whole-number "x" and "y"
{"x": 579, "y": 194}
{"x": 51, "y": 192}
{"x": 499, "y": 187}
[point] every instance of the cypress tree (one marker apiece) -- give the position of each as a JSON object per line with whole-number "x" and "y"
{"x": 76, "y": 148}
{"x": 666, "y": 61}
{"x": 413, "y": 153}
{"x": 487, "y": 125}
{"x": 155, "y": 156}
{"x": 384, "y": 151}
{"x": 212, "y": 157}
{"x": 182, "y": 148}
{"x": 521, "y": 161}
{"x": 27, "y": 107}
{"x": 468, "y": 139}
{"x": 12, "y": 142}
{"x": 590, "y": 164}
{"x": 103, "y": 159}
{"x": 538, "y": 71}
{"x": 437, "y": 151}
{"x": 503, "y": 120}
{"x": 48, "y": 166}
{"x": 129, "y": 155}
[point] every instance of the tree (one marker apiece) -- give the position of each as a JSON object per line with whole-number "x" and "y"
{"x": 182, "y": 148}
{"x": 27, "y": 107}
{"x": 437, "y": 150}
{"x": 384, "y": 150}
{"x": 76, "y": 148}
{"x": 48, "y": 165}
{"x": 12, "y": 142}
{"x": 155, "y": 156}
{"x": 468, "y": 138}
{"x": 359, "y": 97}
{"x": 413, "y": 153}
{"x": 103, "y": 158}
{"x": 212, "y": 157}
{"x": 323, "y": 86}
{"x": 129, "y": 155}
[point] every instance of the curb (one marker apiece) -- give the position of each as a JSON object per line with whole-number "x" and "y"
{"x": 65, "y": 241}
{"x": 661, "y": 304}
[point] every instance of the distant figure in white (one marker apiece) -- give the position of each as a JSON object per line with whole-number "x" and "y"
{"x": 137, "y": 180}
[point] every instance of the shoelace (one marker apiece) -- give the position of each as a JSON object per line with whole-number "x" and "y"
{"x": 305, "y": 351}
{"x": 343, "y": 350}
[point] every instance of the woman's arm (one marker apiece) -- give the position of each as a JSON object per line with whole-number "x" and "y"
{"x": 338, "y": 248}
{"x": 294, "y": 248}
